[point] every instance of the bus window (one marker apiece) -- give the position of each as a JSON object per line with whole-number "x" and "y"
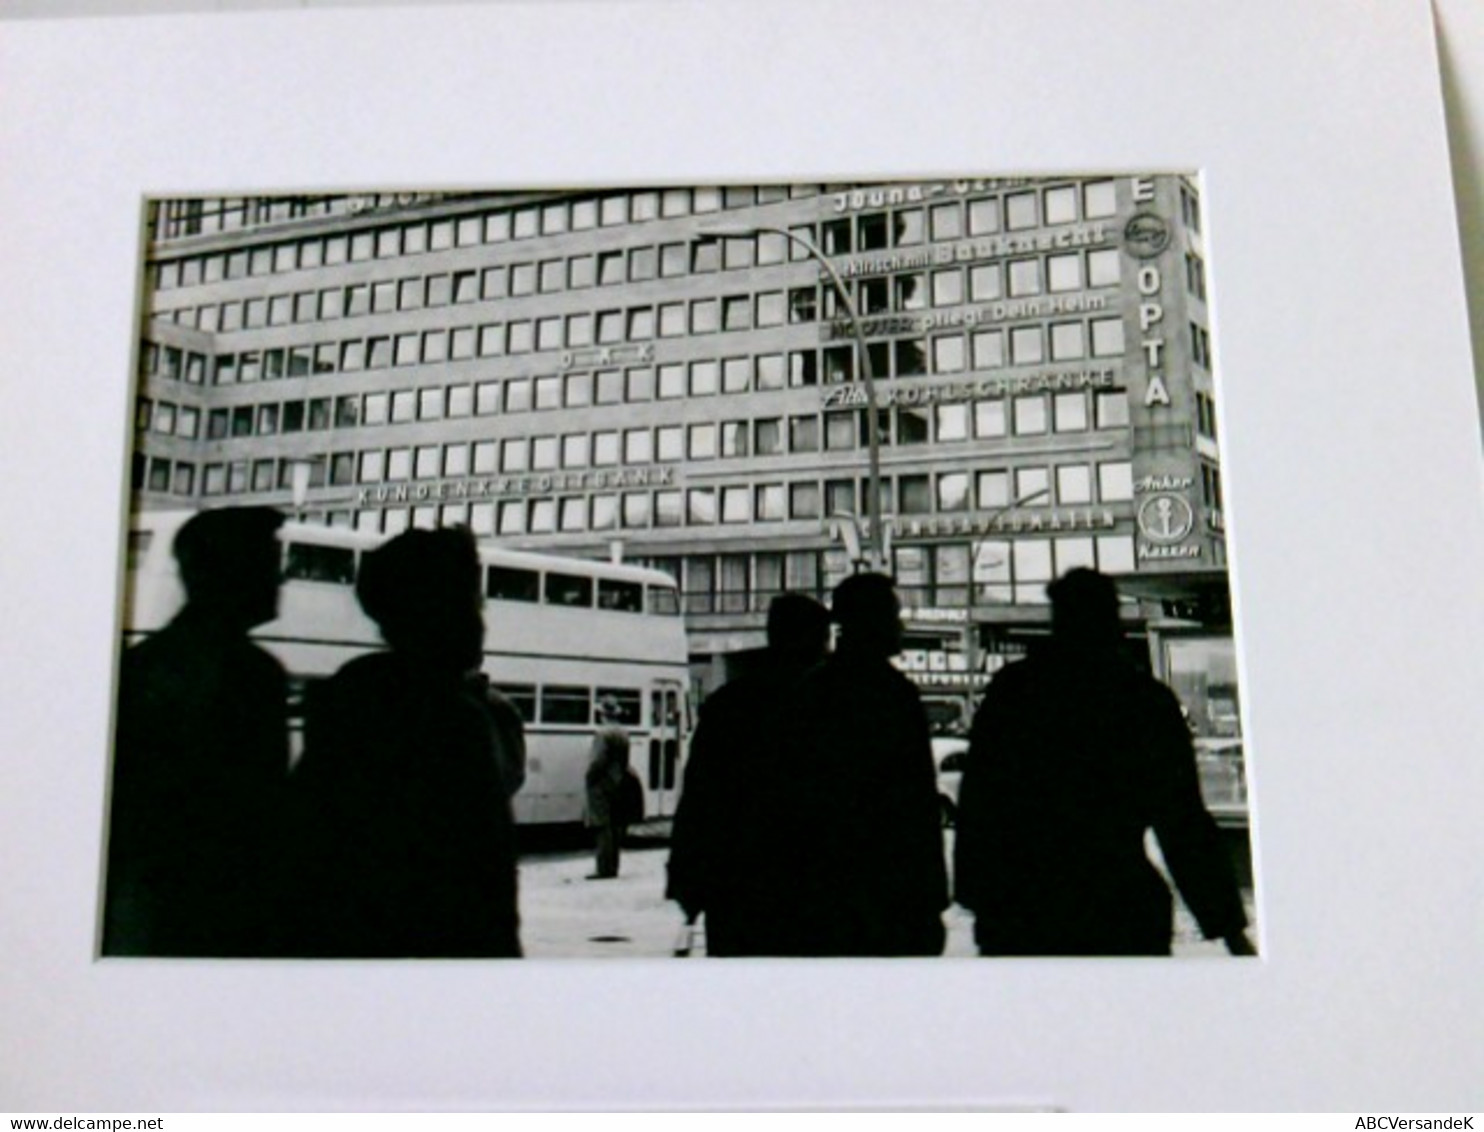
{"x": 138, "y": 547}
{"x": 628, "y": 702}
{"x": 626, "y": 597}
{"x": 310, "y": 563}
{"x": 569, "y": 589}
{"x": 664, "y": 600}
{"x": 566, "y": 705}
{"x": 522, "y": 697}
{"x": 505, "y": 583}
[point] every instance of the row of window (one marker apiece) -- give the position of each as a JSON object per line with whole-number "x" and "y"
{"x": 1016, "y": 210}
{"x": 946, "y": 575}
{"x": 951, "y": 352}
{"x": 1026, "y": 415}
{"x": 1068, "y": 484}
{"x": 195, "y": 217}
{"x": 902, "y": 292}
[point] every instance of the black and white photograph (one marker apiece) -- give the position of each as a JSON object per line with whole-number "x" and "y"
{"x": 768, "y": 570}
{"x": 624, "y": 555}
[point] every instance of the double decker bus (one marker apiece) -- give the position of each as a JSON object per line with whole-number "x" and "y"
{"x": 562, "y": 636}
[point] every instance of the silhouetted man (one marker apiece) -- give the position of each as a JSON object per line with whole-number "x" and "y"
{"x": 606, "y": 780}
{"x": 1074, "y": 754}
{"x": 405, "y": 839}
{"x": 870, "y": 856}
{"x": 730, "y": 854}
{"x": 201, "y": 755}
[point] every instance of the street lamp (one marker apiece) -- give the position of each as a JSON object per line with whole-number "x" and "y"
{"x": 875, "y": 557}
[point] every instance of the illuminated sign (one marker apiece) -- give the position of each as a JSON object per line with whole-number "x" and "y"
{"x": 1166, "y": 518}
{"x": 853, "y": 395}
{"x": 962, "y": 251}
{"x": 1146, "y": 235}
{"x": 492, "y": 487}
{"x": 608, "y": 355}
{"x": 968, "y": 316}
{"x": 884, "y": 196}
{"x": 1046, "y": 520}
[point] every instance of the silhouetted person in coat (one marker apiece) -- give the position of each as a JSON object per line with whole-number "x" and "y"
{"x": 1074, "y": 754}
{"x": 731, "y": 856}
{"x": 606, "y": 780}
{"x": 869, "y": 851}
{"x": 405, "y": 838}
{"x": 201, "y": 756}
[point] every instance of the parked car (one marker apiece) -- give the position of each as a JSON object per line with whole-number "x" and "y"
{"x": 949, "y": 752}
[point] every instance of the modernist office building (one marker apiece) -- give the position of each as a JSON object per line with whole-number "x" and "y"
{"x": 578, "y": 372}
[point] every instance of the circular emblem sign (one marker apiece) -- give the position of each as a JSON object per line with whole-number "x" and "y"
{"x": 1146, "y": 235}
{"x": 1166, "y": 518}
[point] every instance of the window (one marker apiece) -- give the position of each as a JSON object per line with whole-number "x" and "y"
{"x": 948, "y": 354}
{"x": 948, "y": 288}
{"x": 953, "y": 491}
{"x": 768, "y": 503}
{"x": 703, "y": 316}
{"x": 1115, "y": 482}
{"x": 1107, "y": 337}
{"x": 1064, "y": 272}
{"x": 916, "y": 495}
{"x": 1061, "y": 205}
{"x": 1032, "y": 487}
{"x": 953, "y": 422}
{"x": 543, "y": 453}
{"x": 803, "y": 434}
{"x": 638, "y": 447}
{"x": 947, "y": 221}
{"x": 702, "y": 442}
{"x": 984, "y": 216}
{"x": 735, "y": 505}
{"x": 1020, "y": 210}
{"x": 770, "y": 373}
{"x": 669, "y": 443}
{"x": 736, "y": 312}
{"x": 636, "y": 510}
{"x": 1111, "y": 409}
{"x": 1073, "y": 484}
{"x": 1030, "y": 415}
{"x": 515, "y": 454}
{"x": 1025, "y": 345}
{"x": 575, "y": 450}
{"x": 1098, "y": 200}
{"x": 1103, "y": 268}
{"x": 1070, "y": 411}
{"x": 768, "y": 437}
{"x": 1025, "y": 277}
{"x": 803, "y": 501}
{"x": 700, "y": 506}
{"x": 992, "y": 489}
{"x": 1068, "y": 341}
{"x": 989, "y": 349}
{"x": 566, "y": 705}
{"x": 430, "y": 404}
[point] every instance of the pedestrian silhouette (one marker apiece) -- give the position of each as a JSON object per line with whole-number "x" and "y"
{"x": 870, "y": 871}
{"x": 404, "y": 835}
{"x": 201, "y": 755}
{"x": 1074, "y": 754}
{"x": 609, "y": 781}
{"x": 731, "y": 855}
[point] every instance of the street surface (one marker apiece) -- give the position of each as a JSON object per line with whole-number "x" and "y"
{"x": 564, "y": 915}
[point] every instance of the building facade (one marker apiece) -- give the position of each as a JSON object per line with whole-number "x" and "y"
{"x": 672, "y": 375}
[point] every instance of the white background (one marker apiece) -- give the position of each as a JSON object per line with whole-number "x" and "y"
{"x": 1352, "y": 468}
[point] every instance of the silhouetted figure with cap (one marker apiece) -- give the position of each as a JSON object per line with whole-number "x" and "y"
{"x": 870, "y": 860}
{"x": 732, "y": 857}
{"x": 609, "y": 804}
{"x": 1074, "y": 754}
{"x": 405, "y": 837}
{"x": 201, "y": 755}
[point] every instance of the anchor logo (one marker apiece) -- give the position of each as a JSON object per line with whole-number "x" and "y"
{"x": 1166, "y": 518}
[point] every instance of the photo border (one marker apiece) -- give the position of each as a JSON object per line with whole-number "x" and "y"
{"x": 1338, "y": 317}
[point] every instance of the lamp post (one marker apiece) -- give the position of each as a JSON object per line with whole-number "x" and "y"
{"x": 875, "y": 558}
